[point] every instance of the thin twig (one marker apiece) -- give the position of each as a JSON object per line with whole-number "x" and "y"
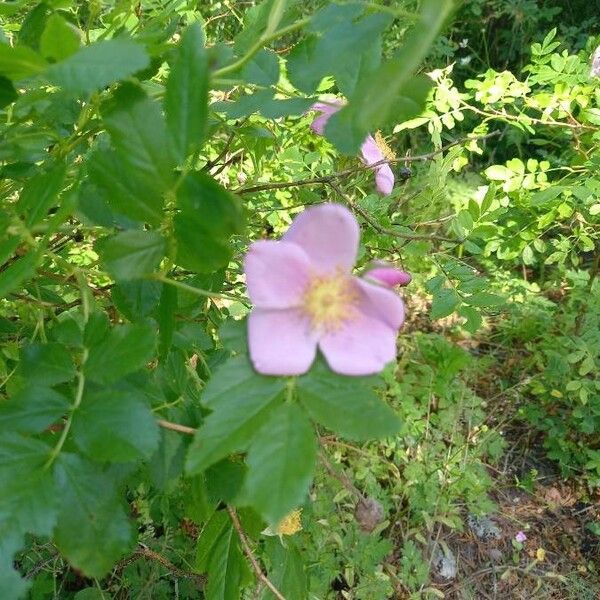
{"x": 342, "y": 478}
{"x": 341, "y": 174}
{"x": 176, "y": 427}
{"x": 250, "y": 555}
{"x": 383, "y": 230}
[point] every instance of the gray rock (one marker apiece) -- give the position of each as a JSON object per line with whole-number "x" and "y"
{"x": 483, "y": 527}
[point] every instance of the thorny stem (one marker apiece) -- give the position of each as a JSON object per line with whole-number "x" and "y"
{"x": 341, "y": 174}
{"x": 76, "y": 403}
{"x": 250, "y": 555}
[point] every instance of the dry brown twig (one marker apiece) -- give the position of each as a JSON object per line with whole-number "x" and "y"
{"x": 250, "y": 555}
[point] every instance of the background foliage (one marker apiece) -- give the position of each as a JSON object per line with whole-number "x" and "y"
{"x": 143, "y": 146}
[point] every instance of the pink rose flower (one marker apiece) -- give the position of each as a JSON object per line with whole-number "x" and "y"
{"x": 305, "y": 297}
{"x": 370, "y": 151}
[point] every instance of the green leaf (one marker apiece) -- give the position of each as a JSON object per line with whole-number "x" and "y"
{"x": 12, "y": 586}
{"x": 39, "y": 194}
{"x": 287, "y": 570}
{"x": 226, "y": 568}
{"x": 347, "y": 405}
{"x": 32, "y": 409}
{"x": 115, "y": 426}
{"x": 375, "y": 99}
{"x": 166, "y": 318}
{"x": 19, "y": 62}
{"x": 186, "y": 96}
{"x": 241, "y": 400}
{"x": 92, "y": 531}
{"x": 136, "y": 299}
{"x": 8, "y": 93}
{"x": 46, "y": 364}
{"x": 546, "y": 195}
{"x": 210, "y": 536}
{"x": 134, "y": 197}
{"x": 263, "y": 69}
{"x": 28, "y": 495}
{"x": 124, "y": 349}
{"x": 59, "y": 39}
{"x": 498, "y": 173}
{"x": 139, "y": 135}
{"x": 19, "y": 271}
{"x": 485, "y": 299}
{"x": 473, "y": 319}
{"x": 444, "y": 303}
{"x": 281, "y": 462}
{"x": 132, "y": 254}
{"x": 208, "y": 216}
{"x": 98, "y": 65}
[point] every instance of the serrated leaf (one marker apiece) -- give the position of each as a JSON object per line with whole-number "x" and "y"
{"x": 139, "y": 136}
{"x": 347, "y": 405}
{"x": 226, "y": 568}
{"x": 241, "y": 400}
{"x": 98, "y": 65}
{"x": 32, "y": 409}
{"x": 19, "y": 62}
{"x": 59, "y": 39}
{"x": 208, "y": 216}
{"x": 28, "y": 495}
{"x": 132, "y": 254}
{"x": 124, "y": 349}
{"x": 115, "y": 426}
{"x": 12, "y": 586}
{"x": 166, "y": 319}
{"x": 19, "y": 271}
{"x": 281, "y": 462}
{"x": 212, "y": 532}
{"x": 8, "y": 93}
{"x": 46, "y": 364}
{"x": 374, "y": 101}
{"x": 444, "y": 303}
{"x": 39, "y": 193}
{"x": 263, "y": 69}
{"x": 287, "y": 570}
{"x": 485, "y": 299}
{"x": 186, "y": 95}
{"x": 133, "y": 197}
{"x": 92, "y": 531}
{"x": 136, "y": 299}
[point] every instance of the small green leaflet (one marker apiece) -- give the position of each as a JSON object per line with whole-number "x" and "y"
{"x": 348, "y": 406}
{"x": 186, "y": 96}
{"x": 32, "y": 409}
{"x": 98, "y": 65}
{"x": 241, "y": 401}
{"x": 281, "y": 462}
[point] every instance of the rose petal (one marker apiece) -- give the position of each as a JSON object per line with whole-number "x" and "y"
{"x": 276, "y": 274}
{"x": 370, "y": 151}
{"x": 362, "y": 347}
{"x": 384, "y": 179}
{"x": 281, "y": 342}
{"x": 329, "y": 234}
{"x": 326, "y": 110}
{"x": 381, "y": 303}
{"x": 388, "y": 276}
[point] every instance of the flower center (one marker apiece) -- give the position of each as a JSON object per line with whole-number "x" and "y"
{"x": 330, "y": 301}
{"x": 382, "y": 145}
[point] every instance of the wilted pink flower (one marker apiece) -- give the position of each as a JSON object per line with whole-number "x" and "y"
{"x": 305, "y": 297}
{"x": 370, "y": 150}
{"x": 520, "y": 537}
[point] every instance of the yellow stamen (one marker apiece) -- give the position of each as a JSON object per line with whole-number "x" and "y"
{"x": 382, "y": 145}
{"x": 330, "y": 301}
{"x": 290, "y": 524}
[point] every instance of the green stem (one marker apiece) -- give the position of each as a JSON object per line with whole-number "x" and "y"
{"x": 76, "y": 404}
{"x": 194, "y": 290}
{"x": 262, "y": 41}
